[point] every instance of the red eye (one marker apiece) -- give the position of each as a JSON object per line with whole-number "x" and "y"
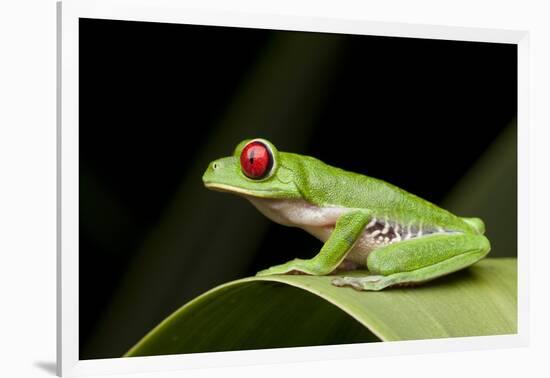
{"x": 256, "y": 160}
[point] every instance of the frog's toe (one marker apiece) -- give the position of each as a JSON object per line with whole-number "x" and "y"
{"x": 265, "y": 272}
{"x": 360, "y": 283}
{"x": 347, "y": 281}
{"x": 340, "y": 281}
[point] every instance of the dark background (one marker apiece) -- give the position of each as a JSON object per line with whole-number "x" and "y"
{"x": 159, "y": 101}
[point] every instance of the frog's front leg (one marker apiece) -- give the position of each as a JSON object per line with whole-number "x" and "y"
{"x": 418, "y": 260}
{"x": 347, "y": 230}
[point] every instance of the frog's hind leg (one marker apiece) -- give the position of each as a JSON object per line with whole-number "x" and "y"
{"x": 418, "y": 260}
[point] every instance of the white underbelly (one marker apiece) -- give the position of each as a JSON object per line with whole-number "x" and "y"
{"x": 320, "y": 221}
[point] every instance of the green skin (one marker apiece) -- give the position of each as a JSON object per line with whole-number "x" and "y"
{"x": 365, "y": 223}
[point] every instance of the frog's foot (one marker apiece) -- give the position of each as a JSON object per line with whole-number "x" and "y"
{"x": 288, "y": 268}
{"x": 370, "y": 283}
{"x": 265, "y": 272}
{"x": 269, "y": 272}
{"x": 296, "y": 266}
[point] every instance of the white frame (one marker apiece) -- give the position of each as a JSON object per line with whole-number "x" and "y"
{"x": 68, "y": 363}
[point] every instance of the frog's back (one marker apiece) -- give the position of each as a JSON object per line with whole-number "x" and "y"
{"x": 330, "y": 186}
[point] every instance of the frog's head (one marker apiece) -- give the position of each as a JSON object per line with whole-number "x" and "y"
{"x": 256, "y": 169}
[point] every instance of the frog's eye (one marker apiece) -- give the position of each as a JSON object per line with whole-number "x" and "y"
{"x": 256, "y": 160}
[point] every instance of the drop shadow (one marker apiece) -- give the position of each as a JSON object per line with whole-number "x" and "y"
{"x": 48, "y": 366}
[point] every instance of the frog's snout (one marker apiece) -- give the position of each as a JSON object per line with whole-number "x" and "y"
{"x": 218, "y": 171}
{"x": 210, "y": 172}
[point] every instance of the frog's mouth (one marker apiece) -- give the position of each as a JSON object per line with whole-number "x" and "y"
{"x": 258, "y": 193}
{"x": 228, "y": 189}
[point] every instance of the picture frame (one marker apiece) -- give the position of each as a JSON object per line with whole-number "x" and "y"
{"x": 69, "y": 13}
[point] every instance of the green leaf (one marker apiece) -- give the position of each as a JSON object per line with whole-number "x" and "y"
{"x": 299, "y": 310}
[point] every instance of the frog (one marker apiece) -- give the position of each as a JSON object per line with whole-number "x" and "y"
{"x": 392, "y": 237}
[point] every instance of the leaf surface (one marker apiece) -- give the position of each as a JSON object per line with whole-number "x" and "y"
{"x": 300, "y": 310}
